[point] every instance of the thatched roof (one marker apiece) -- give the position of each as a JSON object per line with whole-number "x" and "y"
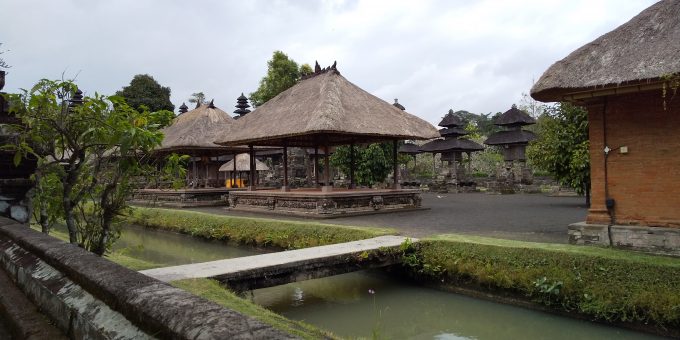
{"x": 451, "y": 120}
{"x": 637, "y": 52}
{"x": 444, "y": 145}
{"x": 193, "y": 132}
{"x": 510, "y": 137}
{"x": 243, "y": 164}
{"x": 409, "y": 148}
{"x": 514, "y": 117}
{"x": 325, "y": 108}
{"x": 453, "y": 132}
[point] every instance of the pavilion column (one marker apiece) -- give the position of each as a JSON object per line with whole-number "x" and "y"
{"x": 327, "y": 187}
{"x": 316, "y": 165}
{"x": 252, "y": 174}
{"x": 395, "y": 146}
{"x": 195, "y": 173}
{"x": 351, "y": 166}
{"x": 207, "y": 172}
{"x": 233, "y": 172}
{"x": 285, "y": 167}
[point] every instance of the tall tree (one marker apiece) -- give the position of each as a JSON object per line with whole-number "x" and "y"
{"x": 197, "y": 98}
{"x": 562, "y": 146}
{"x": 282, "y": 73}
{"x": 90, "y": 153}
{"x": 146, "y": 91}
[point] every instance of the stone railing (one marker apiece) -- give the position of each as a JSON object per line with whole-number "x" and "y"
{"x": 89, "y": 297}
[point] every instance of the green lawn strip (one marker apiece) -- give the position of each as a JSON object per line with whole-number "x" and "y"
{"x": 211, "y": 290}
{"x": 254, "y": 231}
{"x": 607, "y": 284}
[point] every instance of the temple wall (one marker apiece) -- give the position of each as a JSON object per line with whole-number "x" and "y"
{"x": 644, "y": 180}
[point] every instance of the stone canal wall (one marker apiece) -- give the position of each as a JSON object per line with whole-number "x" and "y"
{"x": 88, "y": 297}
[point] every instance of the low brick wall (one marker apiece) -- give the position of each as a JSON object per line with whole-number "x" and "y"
{"x": 89, "y": 297}
{"x": 651, "y": 239}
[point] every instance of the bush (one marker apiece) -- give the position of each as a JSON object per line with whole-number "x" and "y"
{"x": 252, "y": 231}
{"x": 607, "y": 284}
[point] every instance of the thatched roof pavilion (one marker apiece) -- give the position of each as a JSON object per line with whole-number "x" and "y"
{"x": 633, "y": 57}
{"x": 326, "y": 109}
{"x": 193, "y": 132}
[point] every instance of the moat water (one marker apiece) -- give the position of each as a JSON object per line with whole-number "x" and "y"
{"x": 343, "y": 304}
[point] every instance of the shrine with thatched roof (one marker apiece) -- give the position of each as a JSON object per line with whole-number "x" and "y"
{"x": 452, "y": 147}
{"x": 191, "y": 133}
{"x": 323, "y": 110}
{"x": 627, "y": 80}
{"x": 513, "y": 142}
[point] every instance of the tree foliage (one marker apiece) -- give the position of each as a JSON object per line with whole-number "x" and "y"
{"x": 372, "y": 163}
{"x": 282, "y": 73}
{"x": 90, "y": 157}
{"x": 562, "y": 146}
{"x": 144, "y": 91}
{"x": 197, "y": 98}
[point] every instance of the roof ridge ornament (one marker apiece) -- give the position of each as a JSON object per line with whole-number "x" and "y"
{"x": 318, "y": 70}
{"x": 241, "y": 106}
{"x": 212, "y": 104}
{"x": 183, "y": 108}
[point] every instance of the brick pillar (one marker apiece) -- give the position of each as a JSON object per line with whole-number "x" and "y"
{"x": 597, "y": 214}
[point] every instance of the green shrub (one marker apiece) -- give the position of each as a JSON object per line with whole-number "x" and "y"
{"x": 607, "y": 284}
{"x": 252, "y": 231}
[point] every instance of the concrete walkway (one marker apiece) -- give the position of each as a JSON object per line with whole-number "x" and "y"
{"x": 298, "y": 261}
{"x": 529, "y": 217}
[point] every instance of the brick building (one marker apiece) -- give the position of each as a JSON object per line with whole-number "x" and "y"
{"x": 627, "y": 79}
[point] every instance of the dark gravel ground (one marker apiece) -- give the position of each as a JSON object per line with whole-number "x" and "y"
{"x": 530, "y": 217}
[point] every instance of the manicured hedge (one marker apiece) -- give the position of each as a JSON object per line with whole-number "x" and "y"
{"x": 253, "y": 231}
{"x": 606, "y": 284}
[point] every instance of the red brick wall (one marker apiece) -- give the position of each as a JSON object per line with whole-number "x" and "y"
{"x": 645, "y": 182}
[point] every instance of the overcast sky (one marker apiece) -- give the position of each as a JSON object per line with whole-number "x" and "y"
{"x": 478, "y": 56}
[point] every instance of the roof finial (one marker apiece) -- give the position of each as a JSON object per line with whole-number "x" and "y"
{"x": 514, "y": 106}
{"x": 335, "y": 64}
{"x": 183, "y": 108}
{"x": 212, "y": 104}
{"x": 317, "y": 68}
{"x": 397, "y": 105}
{"x": 241, "y": 106}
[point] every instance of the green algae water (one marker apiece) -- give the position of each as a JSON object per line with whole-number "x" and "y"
{"x": 171, "y": 249}
{"x": 343, "y": 305}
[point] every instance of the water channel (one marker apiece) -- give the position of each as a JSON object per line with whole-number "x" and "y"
{"x": 397, "y": 310}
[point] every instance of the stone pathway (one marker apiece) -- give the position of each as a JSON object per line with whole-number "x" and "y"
{"x": 265, "y": 264}
{"x": 529, "y": 217}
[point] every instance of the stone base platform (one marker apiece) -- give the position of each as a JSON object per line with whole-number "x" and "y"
{"x": 314, "y": 203}
{"x": 182, "y": 198}
{"x": 650, "y": 239}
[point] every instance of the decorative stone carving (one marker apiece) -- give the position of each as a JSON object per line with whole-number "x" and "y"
{"x": 325, "y": 206}
{"x": 377, "y": 202}
{"x": 417, "y": 200}
{"x": 233, "y": 201}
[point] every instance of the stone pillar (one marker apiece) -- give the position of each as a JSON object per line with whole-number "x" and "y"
{"x": 285, "y": 168}
{"x": 597, "y": 214}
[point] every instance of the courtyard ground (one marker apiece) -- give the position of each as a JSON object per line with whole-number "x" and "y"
{"x": 529, "y": 217}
